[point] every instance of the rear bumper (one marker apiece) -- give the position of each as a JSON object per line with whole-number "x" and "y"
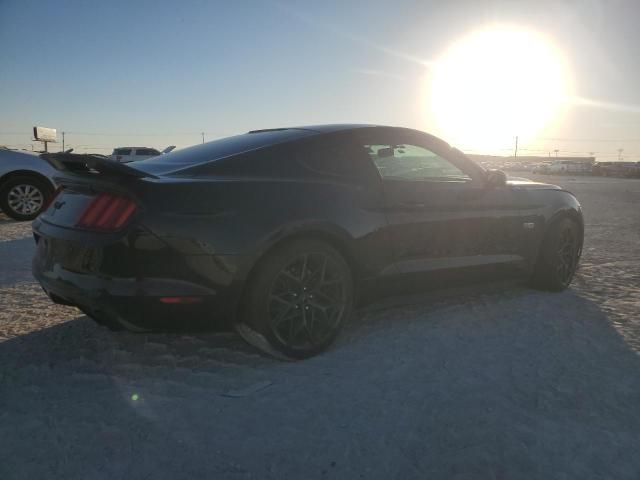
{"x": 139, "y": 302}
{"x": 88, "y": 276}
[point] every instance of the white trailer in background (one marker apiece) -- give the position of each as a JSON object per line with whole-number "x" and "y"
{"x": 133, "y": 154}
{"x": 570, "y": 166}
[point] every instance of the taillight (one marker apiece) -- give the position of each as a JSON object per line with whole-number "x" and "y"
{"x": 107, "y": 212}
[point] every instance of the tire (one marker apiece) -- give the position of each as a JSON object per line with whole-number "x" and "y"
{"x": 24, "y": 197}
{"x": 559, "y": 256}
{"x": 297, "y": 301}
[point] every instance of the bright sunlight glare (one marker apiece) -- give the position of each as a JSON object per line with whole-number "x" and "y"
{"x": 495, "y": 84}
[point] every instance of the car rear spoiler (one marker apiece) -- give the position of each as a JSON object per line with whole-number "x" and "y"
{"x": 91, "y": 164}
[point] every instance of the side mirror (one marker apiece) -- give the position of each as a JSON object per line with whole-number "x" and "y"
{"x": 496, "y": 178}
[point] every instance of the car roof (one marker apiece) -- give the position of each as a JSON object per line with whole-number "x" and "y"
{"x": 255, "y": 140}
{"x": 337, "y": 127}
{"x": 328, "y": 128}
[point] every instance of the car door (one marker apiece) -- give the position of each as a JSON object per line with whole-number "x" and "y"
{"x": 441, "y": 211}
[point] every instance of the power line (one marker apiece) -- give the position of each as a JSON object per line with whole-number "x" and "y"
{"x": 111, "y": 134}
{"x": 621, "y": 140}
{"x": 199, "y": 133}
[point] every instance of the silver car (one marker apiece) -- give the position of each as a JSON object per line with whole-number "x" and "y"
{"x": 26, "y": 184}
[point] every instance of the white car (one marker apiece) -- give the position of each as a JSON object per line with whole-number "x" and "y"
{"x": 133, "y": 154}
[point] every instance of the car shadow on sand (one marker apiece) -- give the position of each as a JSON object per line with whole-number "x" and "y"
{"x": 496, "y": 382}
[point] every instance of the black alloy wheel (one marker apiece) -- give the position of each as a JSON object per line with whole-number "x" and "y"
{"x": 298, "y": 301}
{"x": 567, "y": 254}
{"x": 559, "y": 255}
{"x": 307, "y": 300}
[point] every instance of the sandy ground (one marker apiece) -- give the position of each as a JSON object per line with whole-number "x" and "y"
{"x": 495, "y": 382}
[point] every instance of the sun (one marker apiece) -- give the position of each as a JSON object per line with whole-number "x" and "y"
{"x": 495, "y": 84}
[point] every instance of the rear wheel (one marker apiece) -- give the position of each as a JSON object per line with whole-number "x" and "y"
{"x": 298, "y": 300}
{"x": 24, "y": 197}
{"x": 558, "y": 259}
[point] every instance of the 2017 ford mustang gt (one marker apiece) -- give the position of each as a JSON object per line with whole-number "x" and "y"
{"x": 276, "y": 231}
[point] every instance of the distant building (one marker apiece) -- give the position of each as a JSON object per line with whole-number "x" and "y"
{"x": 537, "y": 164}
{"x": 528, "y": 159}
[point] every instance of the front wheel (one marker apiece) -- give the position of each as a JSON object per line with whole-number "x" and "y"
{"x": 559, "y": 256}
{"x": 298, "y": 300}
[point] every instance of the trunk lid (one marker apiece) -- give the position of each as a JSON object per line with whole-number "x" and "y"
{"x": 92, "y": 182}
{"x": 67, "y": 208}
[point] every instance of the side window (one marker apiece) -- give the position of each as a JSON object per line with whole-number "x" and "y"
{"x": 123, "y": 151}
{"x": 413, "y": 163}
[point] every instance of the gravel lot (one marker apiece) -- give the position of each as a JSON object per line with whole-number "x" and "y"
{"x": 494, "y": 382}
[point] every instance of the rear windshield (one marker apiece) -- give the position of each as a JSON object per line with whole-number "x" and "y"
{"x": 218, "y": 149}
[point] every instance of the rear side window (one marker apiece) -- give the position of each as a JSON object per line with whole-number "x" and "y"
{"x": 335, "y": 161}
{"x": 122, "y": 151}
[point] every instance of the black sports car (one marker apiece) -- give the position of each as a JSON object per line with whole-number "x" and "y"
{"x": 276, "y": 231}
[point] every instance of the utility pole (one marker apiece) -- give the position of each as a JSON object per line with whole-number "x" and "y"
{"x": 202, "y": 137}
{"x": 620, "y": 150}
{"x": 63, "y": 141}
{"x": 556, "y": 150}
{"x": 515, "y": 153}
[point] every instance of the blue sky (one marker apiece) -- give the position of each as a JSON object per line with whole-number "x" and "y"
{"x": 160, "y": 72}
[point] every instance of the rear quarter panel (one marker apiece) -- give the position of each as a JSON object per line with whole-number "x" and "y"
{"x": 247, "y": 217}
